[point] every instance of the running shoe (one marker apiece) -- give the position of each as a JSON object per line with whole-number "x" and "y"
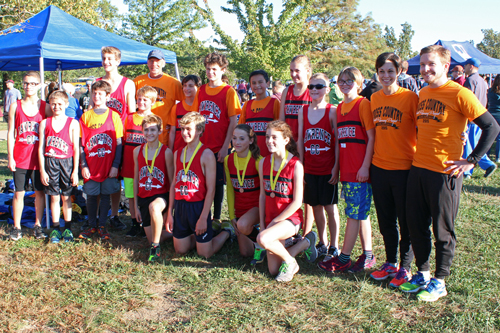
{"x": 322, "y": 250}
{"x": 134, "y": 230}
{"x": 154, "y": 254}
{"x": 287, "y": 271}
{"x": 403, "y": 276}
{"x": 216, "y": 225}
{"x": 87, "y": 234}
{"x": 311, "y": 252}
{"x": 228, "y": 226}
{"x": 258, "y": 256}
{"x": 385, "y": 271}
{"x": 38, "y": 232}
{"x": 67, "y": 235}
{"x": 116, "y": 223}
{"x": 103, "y": 233}
{"x": 332, "y": 252}
{"x": 334, "y": 265}
{"x": 15, "y": 234}
{"x": 434, "y": 291}
{"x": 416, "y": 283}
{"x": 55, "y": 236}
{"x": 363, "y": 263}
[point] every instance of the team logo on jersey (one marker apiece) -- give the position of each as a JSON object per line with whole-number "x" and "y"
{"x": 258, "y": 126}
{"x": 161, "y": 94}
{"x": 190, "y": 178}
{"x": 430, "y": 109}
{"x": 28, "y": 126}
{"x": 135, "y": 138}
{"x": 98, "y": 140}
{"x": 281, "y": 187}
{"x": 210, "y": 111}
{"x": 387, "y": 116}
{"x": 248, "y": 184}
{"x": 148, "y": 184}
{"x": 56, "y": 142}
{"x": 292, "y": 110}
{"x": 347, "y": 132}
{"x": 317, "y": 134}
{"x": 115, "y": 104}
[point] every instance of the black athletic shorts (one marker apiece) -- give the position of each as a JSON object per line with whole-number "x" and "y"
{"x": 317, "y": 190}
{"x": 186, "y": 214}
{"x": 59, "y": 171}
{"x": 22, "y": 178}
{"x": 143, "y": 204}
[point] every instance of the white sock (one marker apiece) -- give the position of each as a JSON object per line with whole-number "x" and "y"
{"x": 426, "y": 274}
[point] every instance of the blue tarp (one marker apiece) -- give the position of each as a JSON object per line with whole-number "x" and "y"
{"x": 61, "y": 38}
{"x": 460, "y": 52}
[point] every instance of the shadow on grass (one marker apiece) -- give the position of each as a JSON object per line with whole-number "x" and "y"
{"x": 488, "y": 190}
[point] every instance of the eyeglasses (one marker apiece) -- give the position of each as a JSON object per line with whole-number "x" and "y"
{"x": 342, "y": 82}
{"x": 31, "y": 84}
{"x": 317, "y": 86}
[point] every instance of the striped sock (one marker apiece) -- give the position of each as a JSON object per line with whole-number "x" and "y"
{"x": 344, "y": 258}
{"x": 368, "y": 254}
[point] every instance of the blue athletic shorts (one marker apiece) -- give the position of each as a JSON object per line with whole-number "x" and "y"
{"x": 358, "y": 198}
{"x": 186, "y": 214}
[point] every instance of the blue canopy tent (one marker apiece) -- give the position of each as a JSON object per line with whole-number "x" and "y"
{"x": 460, "y": 52}
{"x": 54, "y": 40}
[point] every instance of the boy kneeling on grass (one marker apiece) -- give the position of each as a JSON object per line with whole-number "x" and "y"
{"x": 192, "y": 193}
{"x": 58, "y": 154}
{"x": 153, "y": 172}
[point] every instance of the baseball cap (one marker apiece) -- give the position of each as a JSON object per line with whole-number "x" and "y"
{"x": 11, "y": 81}
{"x": 473, "y": 61}
{"x": 158, "y": 54}
{"x": 457, "y": 68}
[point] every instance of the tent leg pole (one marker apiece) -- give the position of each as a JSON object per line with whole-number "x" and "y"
{"x": 42, "y": 78}
{"x": 177, "y": 72}
{"x": 60, "y": 79}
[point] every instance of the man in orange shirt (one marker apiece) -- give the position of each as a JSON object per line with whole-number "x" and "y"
{"x": 169, "y": 89}
{"x": 435, "y": 179}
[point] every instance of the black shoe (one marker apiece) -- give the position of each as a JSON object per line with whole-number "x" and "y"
{"x": 490, "y": 170}
{"x": 117, "y": 224}
{"x": 15, "y": 234}
{"x": 154, "y": 254}
{"x": 134, "y": 231}
{"x": 38, "y": 232}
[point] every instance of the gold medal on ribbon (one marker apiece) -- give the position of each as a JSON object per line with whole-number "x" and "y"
{"x": 275, "y": 180}
{"x": 186, "y": 168}
{"x": 241, "y": 180}
{"x": 150, "y": 169}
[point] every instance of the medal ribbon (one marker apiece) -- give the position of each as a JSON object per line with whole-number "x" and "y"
{"x": 283, "y": 161}
{"x": 150, "y": 170}
{"x": 242, "y": 179}
{"x": 186, "y": 169}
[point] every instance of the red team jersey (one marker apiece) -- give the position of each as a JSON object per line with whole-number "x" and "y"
{"x": 258, "y": 122}
{"x": 194, "y": 188}
{"x": 214, "y": 109}
{"x": 293, "y": 104}
{"x": 58, "y": 144}
{"x": 133, "y": 138}
{"x": 157, "y": 182}
{"x": 251, "y": 186}
{"x": 100, "y": 146}
{"x": 117, "y": 101}
{"x": 179, "y": 141}
{"x": 352, "y": 141}
{"x": 283, "y": 191}
{"x": 27, "y": 137}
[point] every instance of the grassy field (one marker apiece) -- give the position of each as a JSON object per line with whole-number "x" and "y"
{"x": 108, "y": 287}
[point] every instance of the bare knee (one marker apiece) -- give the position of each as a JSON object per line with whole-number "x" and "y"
{"x": 264, "y": 239}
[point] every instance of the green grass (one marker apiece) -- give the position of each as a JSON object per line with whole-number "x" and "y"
{"x": 97, "y": 287}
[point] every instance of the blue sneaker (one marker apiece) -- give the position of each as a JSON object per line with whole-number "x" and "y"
{"x": 67, "y": 235}
{"x": 434, "y": 291}
{"x": 55, "y": 236}
{"x": 416, "y": 283}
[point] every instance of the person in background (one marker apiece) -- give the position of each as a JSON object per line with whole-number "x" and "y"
{"x": 85, "y": 98}
{"x": 278, "y": 88}
{"x": 457, "y": 74}
{"x": 225, "y": 79}
{"x": 406, "y": 81}
{"x": 335, "y": 96}
{"x": 494, "y": 109}
{"x": 371, "y": 88}
{"x": 11, "y": 96}
{"x": 73, "y": 110}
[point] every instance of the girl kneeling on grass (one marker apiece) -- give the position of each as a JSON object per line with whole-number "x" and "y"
{"x": 281, "y": 193}
{"x": 243, "y": 190}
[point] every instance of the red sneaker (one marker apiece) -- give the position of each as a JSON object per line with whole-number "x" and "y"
{"x": 402, "y": 277}
{"x": 87, "y": 234}
{"x": 334, "y": 265}
{"x": 385, "y": 271}
{"x": 362, "y": 263}
{"x": 103, "y": 233}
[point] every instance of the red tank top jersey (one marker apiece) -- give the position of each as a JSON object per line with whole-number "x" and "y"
{"x": 194, "y": 188}
{"x": 133, "y": 138}
{"x": 251, "y": 186}
{"x": 258, "y": 122}
{"x": 214, "y": 109}
{"x": 156, "y": 182}
{"x": 58, "y": 144}
{"x": 99, "y": 145}
{"x": 319, "y": 148}
{"x": 117, "y": 101}
{"x": 27, "y": 137}
{"x": 293, "y": 104}
{"x": 352, "y": 141}
{"x": 180, "y": 111}
{"x": 283, "y": 191}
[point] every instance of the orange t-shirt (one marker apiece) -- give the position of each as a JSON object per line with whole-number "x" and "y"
{"x": 232, "y": 100}
{"x": 365, "y": 112}
{"x": 257, "y": 106}
{"x": 442, "y": 115}
{"x": 395, "y": 129}
{"x": 169, "y": 90}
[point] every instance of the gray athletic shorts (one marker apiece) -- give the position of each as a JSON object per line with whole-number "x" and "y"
{"x": 108, "y": 186}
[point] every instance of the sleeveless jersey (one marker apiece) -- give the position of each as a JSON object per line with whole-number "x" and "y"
{"x": 27, "y": 137}
{"x": 157, "y": 182}
{"x": 194, "y": 188}
{"x": 133, "y": 138}
{"x": 117, "y": 101}
{"x": 352, "y": 141}
{"x": 179, "y": 141}
{"x": 319, "y": 148}
{"x": 292, "y": 106}
{"x": 251, "y": 186}
{"x": 58, "y": 144}
{"x": 283, "y": 191}
{"x": 214, "y": 109}
{"x": 258, "y": 122}
{"x": 99, "y": 145}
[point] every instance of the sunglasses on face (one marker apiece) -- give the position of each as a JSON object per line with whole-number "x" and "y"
{"x": 342, "y": 82}
{"x": 317, "y": 86}
{"x": 32, "y": 84}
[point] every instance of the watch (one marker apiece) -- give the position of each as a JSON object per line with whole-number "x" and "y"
{"x": 471, "y": 159}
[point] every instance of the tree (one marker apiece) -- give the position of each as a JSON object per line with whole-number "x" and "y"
{"x": 340, "y": 37}
{"x": 402, "y": 45}
{"x": 490, "y": 44}
{"x": 160, "y": 22}
{"x": 267, "y": 44}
